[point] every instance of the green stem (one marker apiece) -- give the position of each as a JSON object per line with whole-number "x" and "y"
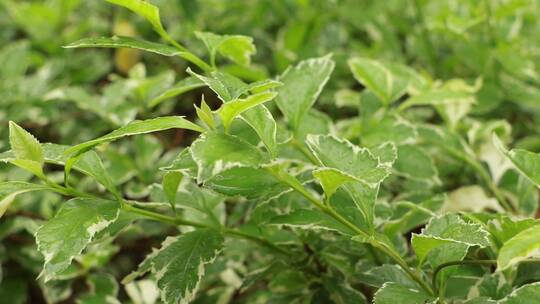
{"x": 297, "y": 186}
{"x": 195, "y": 60}
{"x": 160, "y": 217}
{"x": 129, "y": 207}
{"x": 481, "y": 171}
{"x": 182, "y": 222}
{"x": 187, "y": 55}
{"x": 263, "y": 242}
{"x": 403, "y": 264}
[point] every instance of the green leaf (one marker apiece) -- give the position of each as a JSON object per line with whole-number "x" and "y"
{"x": 343, "y": 155}
{"x": 232, "y": 109}
{"x": 357, "y": 162}
{"x": 302, "y": 85}
{"x": 414, "y": 163}
{"x": 331, "y": 179}
{"x": 148, "y": 11}
{"x": 89, "y": 163}
{"x": 391, "y": 128}
{"x": 71, "y": 230}
{"x": 391, "y": 291}
{"x": 185, "y": 85}
{"x": 528, "y": 163}
{"x": 386, "y": 152}
{"x": 103, "y": 289}
{"x": 237, "y": 48}
{"x": 262, "y": 121}
{"x": 526, "y": 294}
{"x": 504, "y": 228}
{"x": 378, "y": 78}
{"x": 24, "y": 145}
{"x": 137, "y": 127}
{"x": 229, "y": 87}
{"x": 27, "y": 150}
{"x": 183, "y": 163}
{"x": 205, "y": 114}
{"x": 460, "y": 200}
{"x": 171, "y": 181}
{"x": 447, "y": 238}
{"x": 437, "y": 97}
{"x": 200, "y": 204}
{"x": 252, "y": 183}
{"x": 226, "y": 86}
{"x": 179, "y": 263}
{"x": 451, "y": 103}
{"x": 125, "y": 42}
{"x": 523, "y": 245}
{"x": 314, "y": 122}
{"x": 311, "y": 219}
{"x": 9, "y": 190}
{"x": 263, "y": 85}
{"x": 216, "y": 152}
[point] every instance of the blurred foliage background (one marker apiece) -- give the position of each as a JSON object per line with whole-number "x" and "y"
{"x": 68, "y": 96}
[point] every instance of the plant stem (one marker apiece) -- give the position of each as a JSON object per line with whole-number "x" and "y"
{"x": 182, "y": 222}
{"x": 129, "y": 207}
{"x": 297, "y": 186}
{"x": 263, "y": 242}
{"x": 481, "y": 171}
{"x": 160, "y": 217}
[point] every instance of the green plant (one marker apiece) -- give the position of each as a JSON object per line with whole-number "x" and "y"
{"x": 274, "y": 190}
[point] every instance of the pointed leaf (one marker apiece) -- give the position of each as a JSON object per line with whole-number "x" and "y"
{"x": 528, "y": 163}
{"x": 215, "y": 152}
{"x": 179, "y": 264}
{"x": 311, "y": 219}
{"x": 24, "y": 145}
{"x": 375, "y": 76}
{"x": 342, "y": 155}
{"x": 71, "y": 230}
{"x": 252, "y": 183}
{"x": 205, "y": 114}
{"x": 414, "y": 163}
{"x": 523, "y": 245}
{"x": 447, "y": 238}
{"x": 226, "y": 86}
{"x": 89, "y": 163}
{"x": 125, "y": 42}
{"x": 331, "y": 179}
{"x": 232, "y": 109}
{"x": 146, "y": 10}
{"x": 185, "y": 85}
{"x": 171, "y": 181}
{"x": 237, "y": 48}
{"x": 9, "y": 190}
{"x": 138, "y": 127}
{"x": 262, "y": 121}
{"x": 302, "y": 85}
